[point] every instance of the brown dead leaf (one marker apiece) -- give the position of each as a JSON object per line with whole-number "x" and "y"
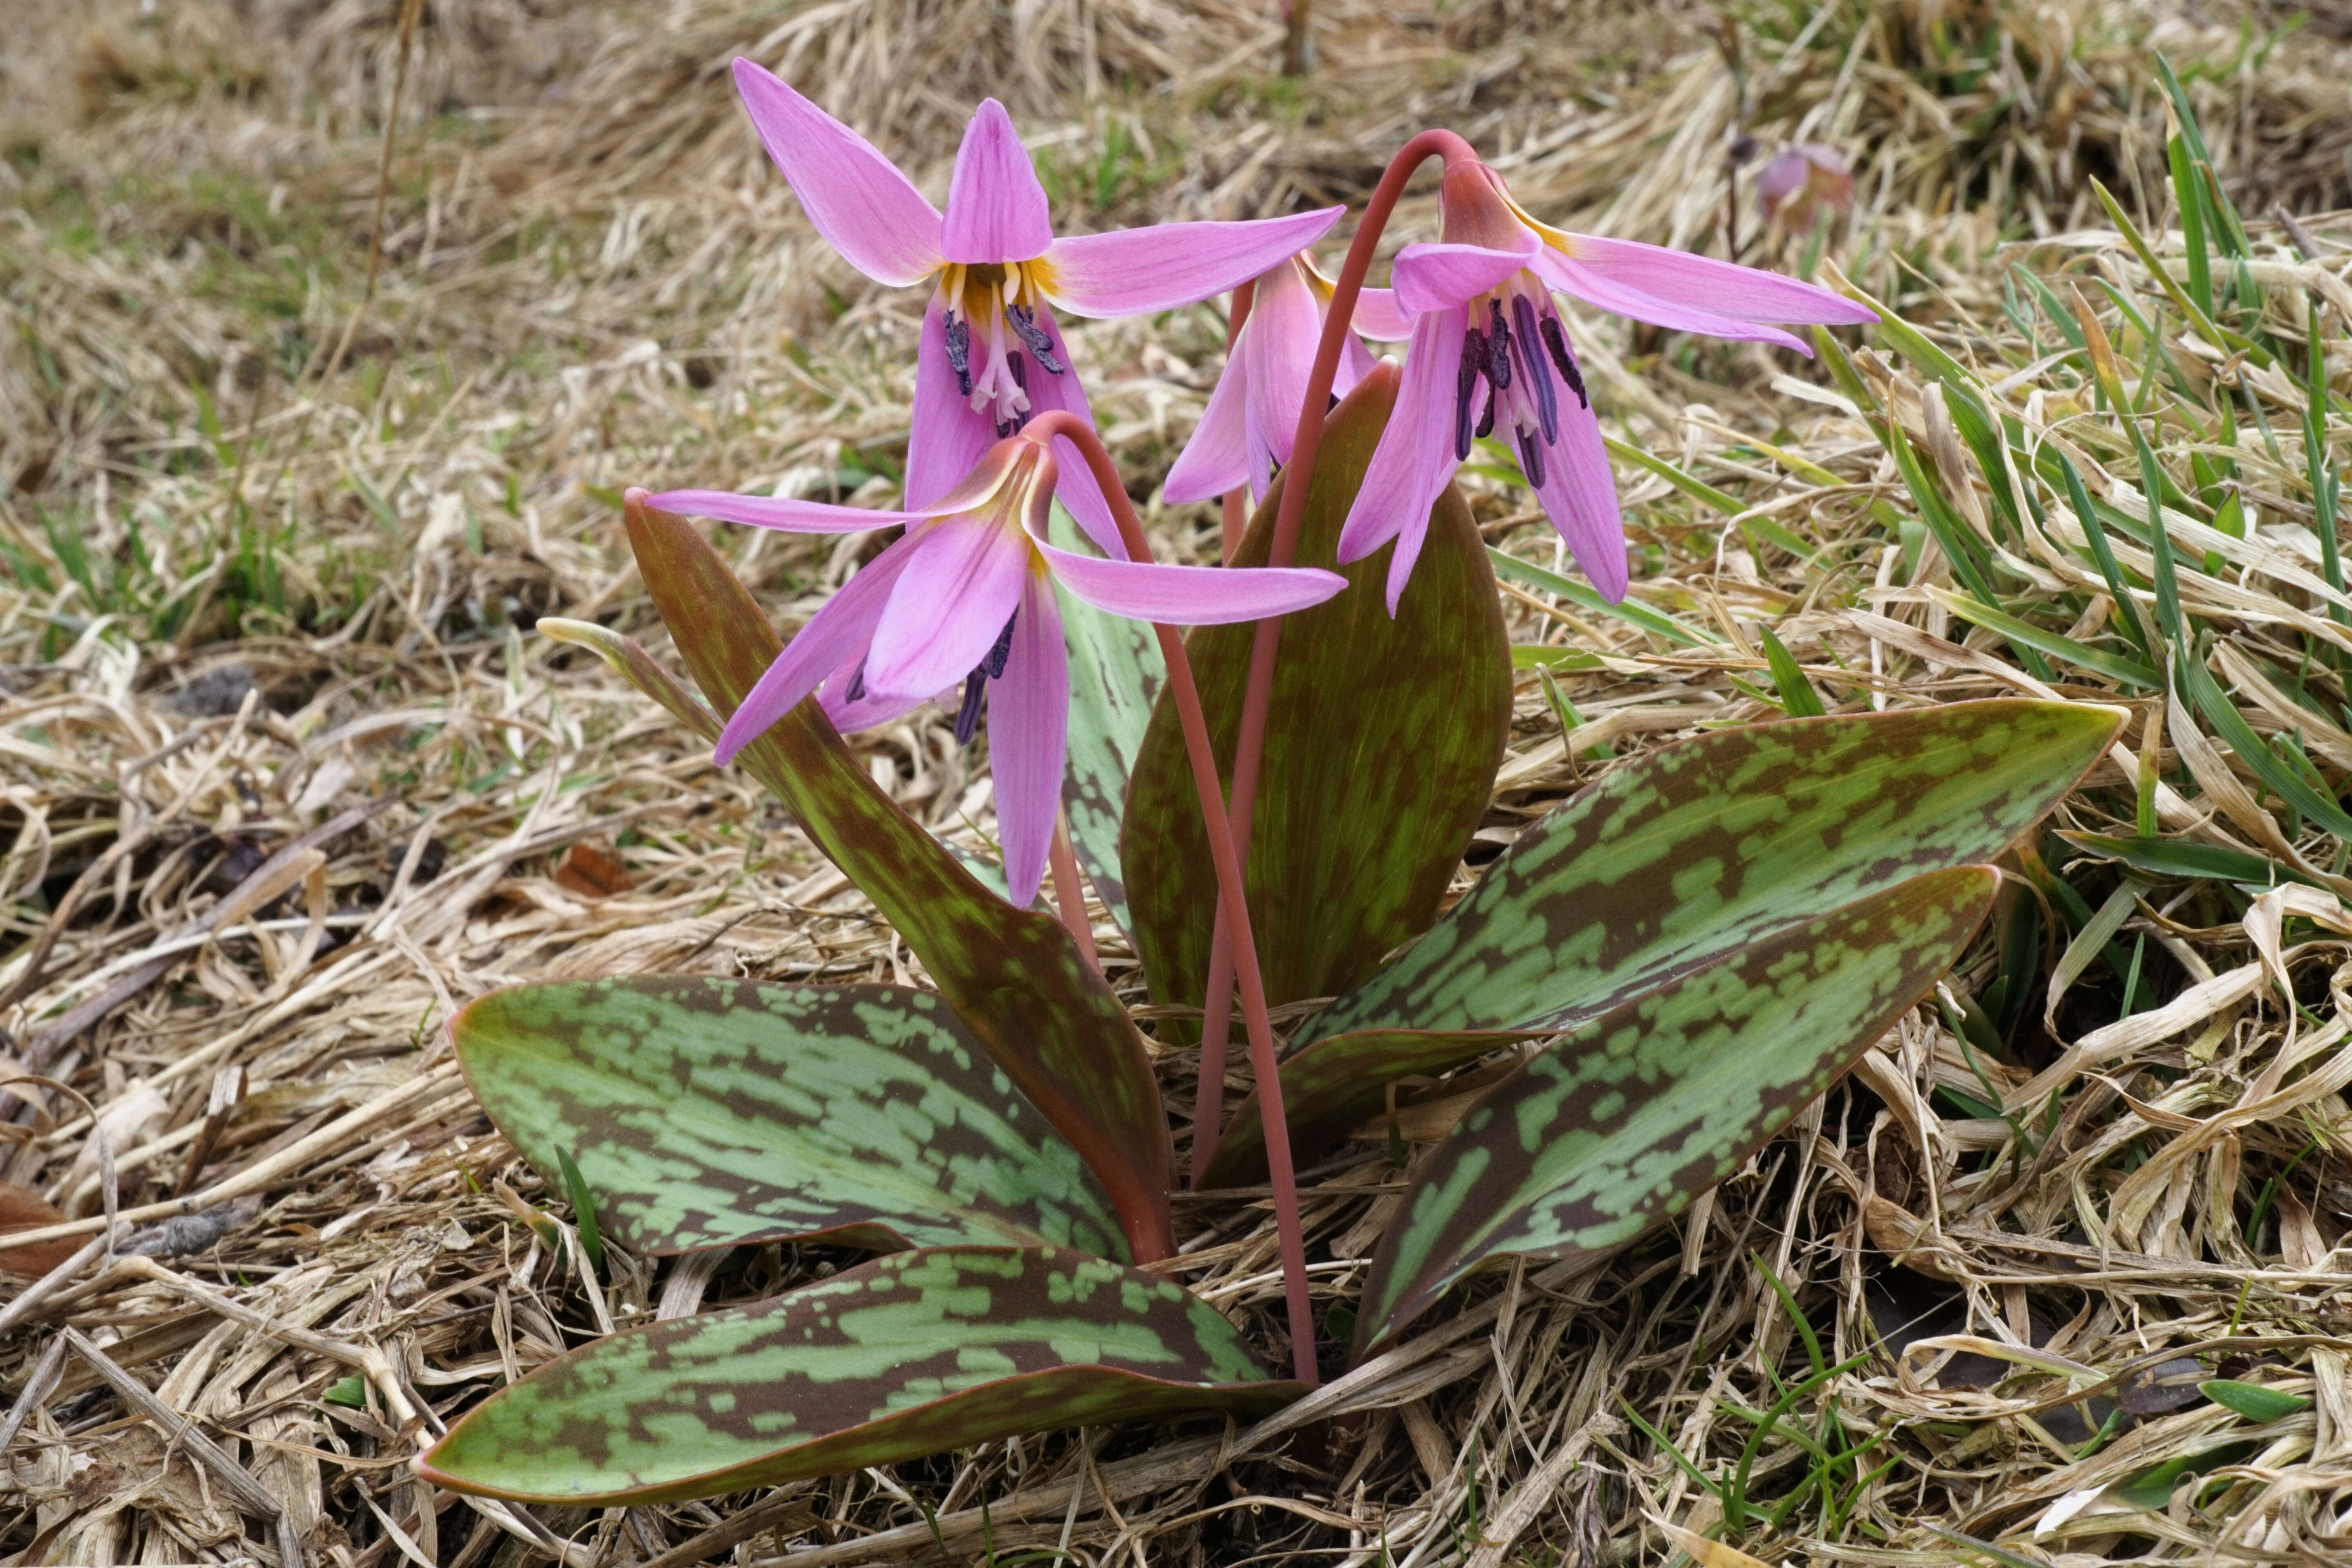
{"x": 21, "y": 1208}
{"x": 592, "y": 874}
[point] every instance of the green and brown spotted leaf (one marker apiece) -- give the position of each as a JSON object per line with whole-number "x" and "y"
{"x": 1116, "y": 673}
{"x": 911, "y": 1354}
{"x": 1381, "y": 745}
{"x": 1625, "y": 1122}
{"x": 716, "y": 1112}
{"x": 1672, "y": 862}
{"x": 1014, "y": 976}
{"x": 1676, "y": 860}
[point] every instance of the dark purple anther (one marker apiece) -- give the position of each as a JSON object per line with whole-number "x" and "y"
{"x": 995, "y": 662}
{"x": 967, "y": 722}
{"x": 959, "y": 336}
{"x": 1532, "y": 459}
{"x": 1499, "y": 347}
{"x": 1024, "y": 324}
{"x": 1566, "y": 361}
{"x": 1473, "y": 358}
{"x": 1531, "y": 363}
{"x": 1487, "y": 420}
{"x": 856, "y": 691}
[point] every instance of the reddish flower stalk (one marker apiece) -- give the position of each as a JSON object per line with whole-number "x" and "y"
{"x": 1257, "y": 697}
{"x": 1223, "y": 852}
{"x": 1235, "y": 501}
{"x": 1070, "y": 894}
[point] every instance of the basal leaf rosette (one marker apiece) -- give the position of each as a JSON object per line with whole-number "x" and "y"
{"x": 911, "y": 1354}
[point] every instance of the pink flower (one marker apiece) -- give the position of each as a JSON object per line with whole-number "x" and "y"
{"x": 1803, "y": 179}
{"x": 1477, "y": 307}
{"x": 967, "y": 595}
{"x": 1245, "y": 433}
{"x": 991, "y": 353}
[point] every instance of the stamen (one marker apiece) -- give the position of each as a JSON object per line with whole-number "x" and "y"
{"x": 1499, "y": 347}
{"x": 967, "y": 722}
{"x": 995, "y": 662}
{"x": 1532, "y": 459}
{"x": 1024, "y": 323}
{"x": 1465, "y": 382}
{"x": 856, "y": 691}
{"x": 1537, "y": 373}
{"x": 959, "y": 335}
{"x": 987, "y": 669}
{"x": 1487, "y": 420}
{"x": 1566, "y": 361}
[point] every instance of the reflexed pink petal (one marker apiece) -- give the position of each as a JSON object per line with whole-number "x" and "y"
{"x": 1620, "y": 300}
{"x": 1216, "y": 460}
{"x": 947, "y": 439}
{"x": 1378, "y": 315}
{"x": 1277, "y": 350}
{"x": 1191, "y": 595}
{"x": 951, "y": 605}
{"x": 857, "y": 199}
{"x": 1579, "y": 495}
{"x": 1075, "y": 482}
{"x": 1702, "y": 283}
{"x": 832, "y": 635}
{"x": 1132, "y": 271}
{"x": 1444, "y": 277}
{"x": 1356, "y": 362}
{"x": 996, "y": 208}
{"x": 1029, "y": 740}
{"x": 776, "y": 512}
{"x": 1415, "y": 457}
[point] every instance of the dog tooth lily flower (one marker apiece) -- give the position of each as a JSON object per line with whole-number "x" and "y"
{"x": 1245, "y": 433}
{"x": 967, "y": 595}
{"x": 991, "y": 352}
{"x": 1477, "y": 306}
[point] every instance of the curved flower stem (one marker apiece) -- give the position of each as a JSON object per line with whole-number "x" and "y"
{"x": 1234, "y": 502}
{"x": 1070, "y": 893}
{"x": 1186, "y": 695}
{"x": 1257, "y": 697}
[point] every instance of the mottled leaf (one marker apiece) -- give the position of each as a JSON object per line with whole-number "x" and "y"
{"x": 1671, "y": 862}
{"x": 1676, "y": 860}
{"x": 718, "y": 1112}
{"x": 1115, "y": 672}
{"x": 907, "y": 1355}
{"x": 1382, "y": 746}
{"x": 1627, "y": 1119}
{"x": 1014, "y": 976}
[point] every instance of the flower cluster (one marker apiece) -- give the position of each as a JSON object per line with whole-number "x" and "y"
{"x": 961, "y": 607}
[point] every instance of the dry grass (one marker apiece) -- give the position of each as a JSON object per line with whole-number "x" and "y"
{"x": 271, "y": 537}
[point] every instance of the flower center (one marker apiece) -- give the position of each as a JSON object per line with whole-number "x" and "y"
{"x": 992, "y": 335}
{"x": 1513, "y": 343}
